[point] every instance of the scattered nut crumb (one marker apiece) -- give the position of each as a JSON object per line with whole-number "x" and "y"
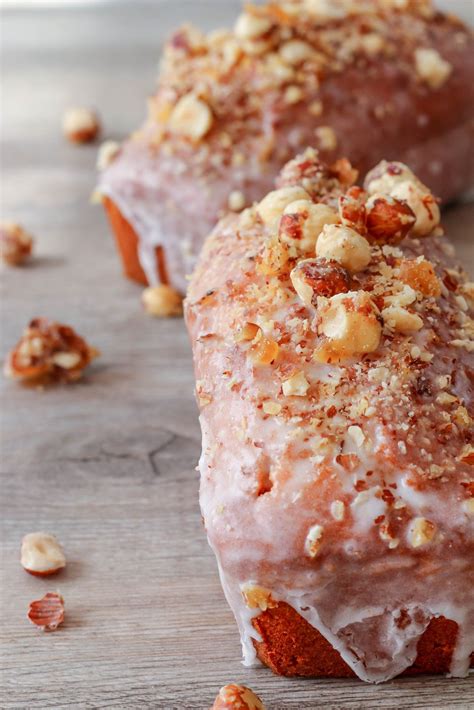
{"x": 81, "y": 125}
{"x": 162, "y": 301}
{"x": 237, "y": 697}
{"x": 42, "y": 554}
{"x": 48, "y": 612}
{"x": 16, "y": 244}
{"x": 431, "y": 67}
{"x": 191, "y": 117}
{"x": 49, "y": 352}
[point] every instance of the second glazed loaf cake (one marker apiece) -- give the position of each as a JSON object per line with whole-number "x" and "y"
{"x": 363, "y": 78}
{"x": 332, "y": 338}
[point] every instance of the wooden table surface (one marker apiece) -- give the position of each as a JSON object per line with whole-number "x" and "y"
{"x": 108, "y": 465}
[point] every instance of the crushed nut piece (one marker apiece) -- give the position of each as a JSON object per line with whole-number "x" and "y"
{"x": 401, "y": 320}
{"x": 49, "y": 351}
{"x": 423, "y": 205}
{"x": 250, "y": 26}
{"x": 272, "y": 408}
{"x": 247, "y": 332}
{"x": 344, "y": 245}
{"x": 314, "y": 540}
{"x": 338, "y": 510}
{"x": 302, "y": 223}
{"x": 319, "y": 277}
{"x": 236, "y": 201}
{"x": 191, "y": 118}
{"x": 421, "y": 276}
{"x": 273, "y": 205}
{"x": 296, "y": 386}
{"x": 326, "y": 137}
{"x": 431, "y": 67}
{"x": 162, "y": 301}
{"x": 421, "y": 532}
{"x": 388, "y": 220}
{"x": 81, "y": 125}
{"x": 350, "y": 322}
{"x": 237, "y": 697}
{"x": 16, "y": 244}
{"x": 295, "y": 52}
{"x": 257, "y": 597}
{"x": 264, "y": 351}
{"x": 48, "y": 612}
{"x": 41, "y": 554}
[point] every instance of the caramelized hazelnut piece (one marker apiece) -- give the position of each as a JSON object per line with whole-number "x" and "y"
{"x": 319, "y": 277}
{"x": 351, "y": 325}
{"x": 345, "y": 246}
{"x": 302, "y": 223}
{"x": 421, "y": 276}
{"x": 273, "y": 205}
{"x": 352, "y": 209}
{"x": 388, "y": 220}
{"x": 191, "y": 118}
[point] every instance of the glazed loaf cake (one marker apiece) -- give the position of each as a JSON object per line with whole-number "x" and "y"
{"x": 333, "y": 352}
{"x": 363, "y": 78}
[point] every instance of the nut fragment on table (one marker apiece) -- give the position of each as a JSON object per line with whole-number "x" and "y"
{"x": 49, "y": 352}
{"x": 48, "y": 612}
{"x": 162, "y": 301}
{"x": 81, "y": 125}
{"x": 16, "y": 244}
{"x": 42, "y": 554}
{"x": 237, "y": 697}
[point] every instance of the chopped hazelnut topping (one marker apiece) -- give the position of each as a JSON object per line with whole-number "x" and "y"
{"x": 273, "y": 259}
{"x": 326, "y": 138}
{"x": 302, "y": 223}
{"x": 338, "y": 510}
{"x": 16, "y": 244}
{"x": 162, "y": 301}
{"x": 352, "y": 209}
{"x": 314, "y": 540}
{"x": 264, "y": 351}
{"x": 107, "y": 153}
{"x": 401, "y": 320}
{"x": 250, "y": 26}
{"x": 41, "y": 554}
{"x": 295, "y": 51}
{"x": 257, "y": 597}
{"x": 423, "y": 205}
{"x": 237, "y": 201}
{"x": 247, "y": 332}
{"x": 388, "y": 220}
{"x": 191, "y": 117}
{"x": 421, "y": 276}
{"x": 273, "y": 205}
{"x": 431, "y": 67}
{"x": 295, "y": 386}
{"x": 350, "y": 322}
{"x": 345, "y": 246}
{"x": 272, "y": 408}
{"x": 81, "y": 125}
{"x": 319, "y": 277}
{"x": 421, "y": 532}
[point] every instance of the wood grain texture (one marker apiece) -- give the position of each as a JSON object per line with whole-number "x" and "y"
{"x": 108, "y": 465}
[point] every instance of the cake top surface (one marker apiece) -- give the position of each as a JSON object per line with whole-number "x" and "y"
{"x": 341, "y": 331}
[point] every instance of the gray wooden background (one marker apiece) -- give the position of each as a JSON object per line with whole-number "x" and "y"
{"x": 108, "y": 465}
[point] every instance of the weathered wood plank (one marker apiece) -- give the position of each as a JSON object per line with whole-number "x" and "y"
{"x": 108, "y": 465}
